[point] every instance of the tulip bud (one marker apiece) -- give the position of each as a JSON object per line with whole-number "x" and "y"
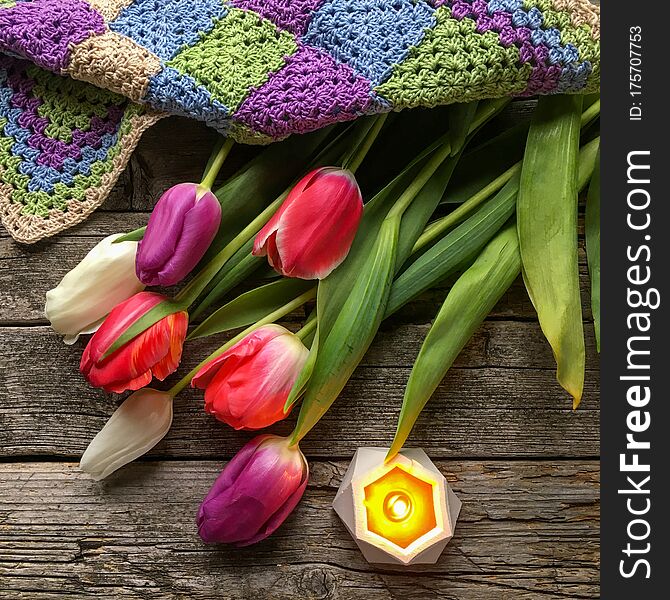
{"x": 255, "y": 493}
{"x": 312, "y": 232}
{"x": 84, "y": 297}
{"x": 180, "y": 229}
{"x": 135, "y": 428}
{"x": 154, "y": 352}
{"x": 248, "y": 385}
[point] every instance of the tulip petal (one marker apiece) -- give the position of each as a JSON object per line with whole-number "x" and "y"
{"x": 201, "y": 225}
{"x": 178, "y": 326}
{"x": 87, "y": 293}
{"x": 268, "y": 481}
{"x": 278, "y": 518}
{"x": 247, "y": 386}
{"x": 262, "y": 237}
{"x": 68, "y": 339}
{"x": 164, "y": 229}
{"x": 130, "y": 367}
{"x": 121, "y": 317}
{"x": 245, "y": 347}
{"x": 235, "y": 466}
{"x": 315, "y": 234}
{"x": 135, "y": 427}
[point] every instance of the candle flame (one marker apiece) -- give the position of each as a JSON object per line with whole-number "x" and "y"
{"x": 399, "y": 507}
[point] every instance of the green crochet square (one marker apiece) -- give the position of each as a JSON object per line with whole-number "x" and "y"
{"x": 454, "y": 56}
{"x": 238, "y": 54}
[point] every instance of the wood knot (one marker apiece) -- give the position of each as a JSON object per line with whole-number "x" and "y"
{"x": 318, "y": 583}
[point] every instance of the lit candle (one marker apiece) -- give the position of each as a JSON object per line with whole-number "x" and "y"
{"x": 402, "y": 511}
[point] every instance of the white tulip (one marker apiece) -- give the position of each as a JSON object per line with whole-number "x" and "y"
{"x": 89, "y": 292}
{"x": 136, "y": 427}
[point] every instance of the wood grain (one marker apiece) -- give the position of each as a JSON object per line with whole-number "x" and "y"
{"x": 526, "y": 531}
{"x": 500, "y": 399}
{"x": 29, "y": 271}
{"x": 499, "y": 427}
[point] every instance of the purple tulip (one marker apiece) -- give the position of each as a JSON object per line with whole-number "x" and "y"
{"x": 180, "y": 229}
{"x": 255, "y": 493}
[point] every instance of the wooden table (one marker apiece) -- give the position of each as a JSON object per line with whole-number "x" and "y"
{"x": 499, "y": 427}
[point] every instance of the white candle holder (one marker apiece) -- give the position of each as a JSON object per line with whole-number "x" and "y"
{"x": 402, "y": 511}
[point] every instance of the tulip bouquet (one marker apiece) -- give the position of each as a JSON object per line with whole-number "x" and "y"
{"x": 450, "y": 195}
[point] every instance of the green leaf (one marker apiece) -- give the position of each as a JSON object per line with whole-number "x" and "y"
{"x": 352, "y": 331}
{"x": 249, "y": 191}
{"x": 588, "y": 154}
{"x": 251, "y": 306}
{"x": 455, "y": 249}
{"x": 351, "y": 302}
{"x": 593, "y": 245}
{"x": 238, "y": 268}
{"x": 547, "y": 224}
{"x": 423, "y": 206}
{"x": 417, "y": 129}
{"x": 460, "y": 119}
{"x": 155, "y": 314}
{"x": 305, "y": 374}
{"x": 133, "y": 236}
{"x": 337, "y": 287}
{"x": 470, "y": 300}
{"x": 479, "y": 167}
{"x": 349, "y": 306}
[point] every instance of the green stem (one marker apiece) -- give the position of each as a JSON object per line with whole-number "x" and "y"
{"x": 307, "y": 328}
{"x": 406, "y": 198}
{"x": 271, "y": 318}
{"x": 358, "y": 155}
{"x": 486, "y": 112}
{"x": 191, "y": 292}
{"x": 437, "y": 228}
{"x": 590, "y": 113}
{"x": 215, "y": 166}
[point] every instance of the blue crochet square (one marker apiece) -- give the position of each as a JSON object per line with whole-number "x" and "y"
{"x": 369, "y": 35}
{"x": 165, "y": 26}
{"x": 177, "y": 93}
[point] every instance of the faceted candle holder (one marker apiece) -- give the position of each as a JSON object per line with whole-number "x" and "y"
{"x": 400, "y": 512}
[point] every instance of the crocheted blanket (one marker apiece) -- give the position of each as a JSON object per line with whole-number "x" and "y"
{"x": 81, "y": 80}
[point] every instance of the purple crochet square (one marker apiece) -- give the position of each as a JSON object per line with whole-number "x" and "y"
{"x": 291, "y": 15}
{"x": 311, "y": 91}
{"x": 44, "y": 30}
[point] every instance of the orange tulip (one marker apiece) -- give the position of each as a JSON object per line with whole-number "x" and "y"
{"x": 154, "y": 353}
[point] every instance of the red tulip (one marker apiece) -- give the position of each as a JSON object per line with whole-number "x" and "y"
{"x": 248, "y": 385}
{"x": 154, "y": 353}
{"x": 312, "y": 232}
{"x": 255, "y": 493}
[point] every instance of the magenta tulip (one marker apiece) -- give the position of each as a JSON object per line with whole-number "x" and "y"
{"x": 180, "y": 229}
{"x": 312, "y": 232}
{"x": 255, "y": 493}
{"x": 248, "y": 385}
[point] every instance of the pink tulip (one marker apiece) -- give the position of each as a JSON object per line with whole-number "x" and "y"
{"x": 248, "y": 385}
{"x": 312, "y": 232}
{"x": 255, "y": 493}
{"x": 180, "y": 229}
{"x": 154, "y": 353}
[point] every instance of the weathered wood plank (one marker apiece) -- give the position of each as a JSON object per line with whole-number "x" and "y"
{"x": 501, "y": 399}
{"x": 27, "y": 272}
{"x": 528, "y": 530}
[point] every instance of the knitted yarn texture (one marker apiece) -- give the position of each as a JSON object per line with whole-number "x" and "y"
{"x": 81, "y": 80}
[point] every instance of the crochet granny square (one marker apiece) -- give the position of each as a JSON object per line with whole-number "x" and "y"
{"x": 81, "y": 80}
